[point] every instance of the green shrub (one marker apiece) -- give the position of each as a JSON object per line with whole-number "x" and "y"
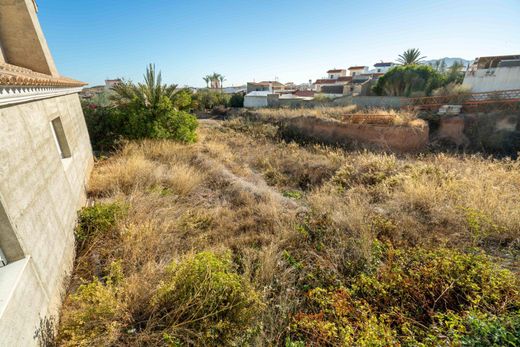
{"x": 203, "y": 299}
{"x": 207, "y": 99}
{"x": 236, "y": 100}
{"x": 104, "y": 124}
{"x": 98, "y": 219}
{"x": 96, "y": 314}
{"x": 163, "y": 121}
{"x": 409, "y": 79}
{"x": 417, "y": 296}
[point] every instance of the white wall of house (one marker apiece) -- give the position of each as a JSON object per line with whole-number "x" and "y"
{"x": 381, "y": 69}
{"x": 355, "y": 72}
{"x": 489, "y": 80}
{"x": 40, "y": 193}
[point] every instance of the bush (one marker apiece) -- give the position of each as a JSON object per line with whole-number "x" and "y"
{"x": 208, "y": 99}
{"x": 203, "y": 299}
{"x": 97, "y": 314}
{"x": 98, "y": 219}
{"x": 236, "y": 100}
{"x": 104, "y": 126}
{"x": 412, "y": 297}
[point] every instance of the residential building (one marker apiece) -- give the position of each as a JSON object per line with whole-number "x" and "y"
{"x": 256, "y": 99}
{"x": 272, "y": 86}
{"x": 495, "y": 73}
{"x": 336, "y": 73}
{"x": 383, "y": 67}
{"x": 320, "y": 83}
{"x": 109, "y": 84}
{"x": 357, "y": 70}
{"x": 46, "y": 159}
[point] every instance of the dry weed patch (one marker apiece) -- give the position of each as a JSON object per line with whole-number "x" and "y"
{"x": 244, "y": 239}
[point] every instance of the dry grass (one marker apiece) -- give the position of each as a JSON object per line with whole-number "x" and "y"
{"x": 292, "y": 216}
{"x": 344, "y": 113}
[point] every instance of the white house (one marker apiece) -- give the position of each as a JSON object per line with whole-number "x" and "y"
{"x": 336, "y": 73}
{"x": 383, "y": 67}
{"x": 496, "y": 73}
{"x": 357, "y": 70}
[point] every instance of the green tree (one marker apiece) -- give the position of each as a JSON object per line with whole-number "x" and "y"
{"x": 411, "y": 56}
{"x": 146, "y": 110}
{"x": 409, "y": 79}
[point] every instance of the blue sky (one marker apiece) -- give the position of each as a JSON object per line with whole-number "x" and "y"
{"x": 293, "y": 40}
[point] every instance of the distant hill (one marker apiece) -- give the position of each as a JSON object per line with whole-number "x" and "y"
{"x": 449, "y": 61}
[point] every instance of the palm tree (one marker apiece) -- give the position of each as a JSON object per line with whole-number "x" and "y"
{"x": 215, "y": 80}
{"x": 411, "y": 56}
{"x": 148, "y": 94}
{"x": 207, "y": 79}
{"x": 221, "y": 79}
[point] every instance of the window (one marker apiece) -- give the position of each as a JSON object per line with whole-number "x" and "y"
{"x": 60, "y": 138}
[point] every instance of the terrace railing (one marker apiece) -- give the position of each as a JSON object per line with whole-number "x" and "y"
{"x": 503, "y": 99}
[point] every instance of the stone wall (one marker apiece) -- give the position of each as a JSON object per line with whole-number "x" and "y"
{"x": 386, "y": 137}
{"x": 40, "y": 193}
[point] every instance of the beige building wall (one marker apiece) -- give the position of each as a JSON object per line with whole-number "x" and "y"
{"x": 22, "y": 39}
{"x": 40, "y": 193}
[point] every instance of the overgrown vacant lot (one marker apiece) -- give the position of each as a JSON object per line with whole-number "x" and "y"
{"x": 243, "y": 239}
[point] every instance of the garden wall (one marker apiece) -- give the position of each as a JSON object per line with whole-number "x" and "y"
{"x": 386, "y": 137}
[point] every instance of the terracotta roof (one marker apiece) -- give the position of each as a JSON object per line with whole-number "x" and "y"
{"x": 11, "y": 75}
{"x": 335, "y": 70}
{"x": 345, "y": 79}
{"x": 356, "y": 67}
{"x": 325, "y": 81}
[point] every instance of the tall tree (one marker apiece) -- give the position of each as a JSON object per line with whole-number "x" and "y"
{"x": 221, "y": 79}
{"x": 207, "y": 79}
{"x": 411, "y": 56}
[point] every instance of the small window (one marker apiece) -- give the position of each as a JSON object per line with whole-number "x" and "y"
{"x": 60, "y": 138}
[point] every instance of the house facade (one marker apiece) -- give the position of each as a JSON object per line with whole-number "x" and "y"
{"x": 495, "y": 73}
{"x": 382, "y": 68}
{"x": 46, "y": 159}
{"x": 357, "y": 70}
{"x": 336, "y": 73}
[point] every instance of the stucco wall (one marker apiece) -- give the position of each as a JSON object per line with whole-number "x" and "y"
{"x": 489, "y": 80}
{"x": 40, "y": 193}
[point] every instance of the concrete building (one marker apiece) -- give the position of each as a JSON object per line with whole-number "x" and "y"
{"x": 46, "y": 158}
{"x": 256, "y": 99}
{"x": 496, "y": 73}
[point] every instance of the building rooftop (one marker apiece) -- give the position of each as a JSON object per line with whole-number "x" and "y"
{"x": 11, "y": 75}
{"x": 325, "y": 81}
{"x": 381, "y": 64}
{"x": 492, "y": 61}
{"x": 357, "y": 67}
{"x": 336, "y": 70}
